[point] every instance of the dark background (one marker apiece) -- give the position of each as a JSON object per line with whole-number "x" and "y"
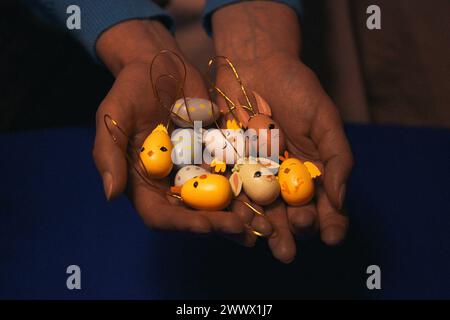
{"x": 53, "y": 211}
{"x": 46, "y": 78}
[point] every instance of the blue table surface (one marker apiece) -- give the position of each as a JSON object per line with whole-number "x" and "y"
{"x": 53, "y": 214}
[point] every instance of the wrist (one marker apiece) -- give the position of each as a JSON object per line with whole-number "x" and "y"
{"x": 133, "y": 41}
{"x": 256, "y": 30}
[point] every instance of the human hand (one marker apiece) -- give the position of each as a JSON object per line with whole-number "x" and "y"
{"x": 262, "y": 39}
{"x": 127, "y": 49}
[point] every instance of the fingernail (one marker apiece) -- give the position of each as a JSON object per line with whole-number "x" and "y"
{"x": 341, "y": 196}
{"x": 107, "y": 184}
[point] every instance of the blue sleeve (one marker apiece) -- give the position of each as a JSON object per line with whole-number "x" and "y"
{"x": 213, "y": 5}
{"x": 98, "y": 15}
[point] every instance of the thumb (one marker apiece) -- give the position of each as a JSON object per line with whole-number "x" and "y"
{"x": 110, "y": 145}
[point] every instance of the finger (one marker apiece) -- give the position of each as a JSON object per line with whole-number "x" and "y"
{"x": 241, "y": 209}
{"x": 333, "y": 225}
{"x": 256, "y": 220}
{"x": 302, "y": 219}
{"x": 334, "y": 149}
{"x": 227, "y": 222}
{"x": 247, "y": 238}
{"x": 158, "y": 213}
{"x": 175, "y": 218}
{"x": 261, "y": 225}
{"x": 109, "y": 156}
{"x": 281, "y": 242}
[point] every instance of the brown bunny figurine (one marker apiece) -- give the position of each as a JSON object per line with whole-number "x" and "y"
{"x": 262, "y": 119}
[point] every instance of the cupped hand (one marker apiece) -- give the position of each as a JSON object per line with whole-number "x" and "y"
{"x": 127, "y": 50}
{"x": 262, "y": 41}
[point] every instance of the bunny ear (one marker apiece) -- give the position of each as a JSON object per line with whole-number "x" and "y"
{"x": 263, "y": 106}
{"x": 242, "y": 115}
{"x": 236, "y": 183}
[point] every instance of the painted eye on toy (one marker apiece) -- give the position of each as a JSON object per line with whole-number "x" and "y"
{"x": 271, "y": 126}
{"x": 257, "y": 174}
{"x": 163, "y": 149}
{"x": 195, "y": 184}
{"x": 142, "y": 149}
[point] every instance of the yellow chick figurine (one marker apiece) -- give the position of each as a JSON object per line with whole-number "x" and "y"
{"x": 206, "y": 192}
{"x": 156, "y": 153}
{"x": 296, "y": 180}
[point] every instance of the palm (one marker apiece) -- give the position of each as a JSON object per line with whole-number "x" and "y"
{"x": 132, "y": 105}
{"x": 313, "y": 130}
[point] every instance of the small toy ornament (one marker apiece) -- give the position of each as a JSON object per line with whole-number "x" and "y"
{"x": 205, "y": 192}
{"x": 296, "y": 180}
{"x": 194, "y": 186}
{"x": 260, "y": 120}
{"x": 268, "y": 164}
{"x": 225, "y": 145}
{"x": 258, "y": 182}
{"x": 198, "y": 110}
{"x": 185, "y": 110}
{"x": 156, "y": 153}
{"x": 186, "y": 173}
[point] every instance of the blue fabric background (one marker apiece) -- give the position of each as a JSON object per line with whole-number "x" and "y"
{"x": 53, "y": 214}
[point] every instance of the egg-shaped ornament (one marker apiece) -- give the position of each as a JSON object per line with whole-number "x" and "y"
{"x": 199, "y": 110}
{"x": 258, "y": 182}
{"x": 188, "y": 172}
{"x": 296, "y": 181}
{"x": 206, "y": 192}
{"x": 269, "y": 164}
{"x": 156, "y": 153}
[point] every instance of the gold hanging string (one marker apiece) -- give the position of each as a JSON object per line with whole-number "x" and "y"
{"x": 180, "y": 84}
{"x": 255, "y": 211}
{"x": 170, "y": 109}
{"x": 256, "y": 233}
{"x": 147, "y": 180}
{"x": 162, "y": 52}
{"x": 249, "y": 105}
{"x": 220, "y": 129}
{"x": 231, "y": 109}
